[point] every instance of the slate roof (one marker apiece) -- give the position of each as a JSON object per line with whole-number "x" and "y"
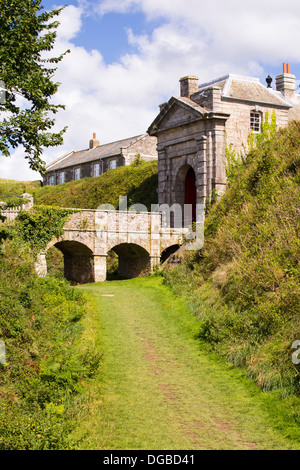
{"x": 246, "y": 89}
{"x": 89, "y": 155}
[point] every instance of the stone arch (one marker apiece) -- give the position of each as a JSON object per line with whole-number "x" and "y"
{"x": 78, "y": 261}
{"x": 74, "y": 236}
{"x": 168, "y": 251}
{"x": 134, "y": 260}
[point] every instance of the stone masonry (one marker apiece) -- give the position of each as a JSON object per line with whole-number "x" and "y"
{"x": 138, "y": 238}
{"x": 194, "y": 130}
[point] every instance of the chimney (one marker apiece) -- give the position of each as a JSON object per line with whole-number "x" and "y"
{"x": 188, "y": 86}
{"x": 286, "y": 82}
{"x": 94, "y": 142}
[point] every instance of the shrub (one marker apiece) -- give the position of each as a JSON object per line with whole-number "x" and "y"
{"x": 40, "y": 325}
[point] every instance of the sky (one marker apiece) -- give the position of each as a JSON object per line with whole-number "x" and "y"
{"x": 127, "y": 57}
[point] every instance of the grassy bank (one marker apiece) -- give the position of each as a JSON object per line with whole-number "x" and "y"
{"x": 10, "y": 190}
{"x": 138, "y": 182}
{"x": 244, "y": 285}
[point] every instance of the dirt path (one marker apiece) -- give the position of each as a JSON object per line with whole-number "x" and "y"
{"x": 158, "y": 389}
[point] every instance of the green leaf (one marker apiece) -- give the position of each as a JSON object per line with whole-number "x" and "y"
{"x": 26, "y": 32}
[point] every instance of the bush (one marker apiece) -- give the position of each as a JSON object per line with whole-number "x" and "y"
{"x": 40, "y": 325}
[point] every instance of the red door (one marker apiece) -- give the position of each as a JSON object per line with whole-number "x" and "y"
{"x": 190, "y": 193}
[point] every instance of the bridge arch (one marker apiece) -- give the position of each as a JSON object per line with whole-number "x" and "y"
{"x": 168, "y": 251}
{"x": 133, "y": 260}
{"x": 138, "y": 239}
{"x": 78, "y": 261}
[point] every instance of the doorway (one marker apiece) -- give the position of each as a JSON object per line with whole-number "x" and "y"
{"x": 190, "y": 197}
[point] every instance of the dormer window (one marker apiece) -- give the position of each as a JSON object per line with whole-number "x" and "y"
{"x": 255, "y": 121}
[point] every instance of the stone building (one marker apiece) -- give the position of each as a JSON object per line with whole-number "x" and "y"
{"x": 97, "y": 159}
{"x": 194, "y": 129}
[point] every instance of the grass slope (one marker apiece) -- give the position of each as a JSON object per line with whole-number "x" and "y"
{"x": 244, "y": 285}
{"x": 138, "y": 182}
{"x": 11, "y": 189}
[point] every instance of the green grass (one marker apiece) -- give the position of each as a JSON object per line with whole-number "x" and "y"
{"x": 10, "y": 190}
{"x": 160, "y": 389}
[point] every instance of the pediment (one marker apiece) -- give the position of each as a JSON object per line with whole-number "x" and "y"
{"x": 175, "y": 113}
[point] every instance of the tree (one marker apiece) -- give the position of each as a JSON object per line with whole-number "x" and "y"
{"x": 27, "y": 33}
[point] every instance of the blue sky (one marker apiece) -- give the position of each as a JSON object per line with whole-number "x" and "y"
{"x": 107, "y": 32}
{"x": 127, "y": 57}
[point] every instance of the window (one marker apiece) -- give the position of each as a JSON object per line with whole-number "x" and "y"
{"x": 51, "y": 180}
{"x": 77, "y": 174}
{"x": 113, "y": 164}
{"x": 61, "y": 177}
{"x": 255, "y": 121}
{"x": 96, "y": 169}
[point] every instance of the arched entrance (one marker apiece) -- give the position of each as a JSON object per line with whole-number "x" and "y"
{"x": 190, "y": 196}
{"x": 133, "y": 260}
{"x": 186, "y": 194}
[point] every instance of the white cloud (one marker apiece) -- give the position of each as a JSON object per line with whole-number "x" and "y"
{"x": 208, "y": 39}
{"x": 256, "y": 30}
{"x": 16, "y": 167}
{"x": 70, "y": 20}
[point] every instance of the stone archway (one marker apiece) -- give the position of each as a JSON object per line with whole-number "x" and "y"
{"x": 169, "y": 251}
{"x": 186, "y": 194}
{"x": 134, "y": 260}
{"x": 78, "y": 261}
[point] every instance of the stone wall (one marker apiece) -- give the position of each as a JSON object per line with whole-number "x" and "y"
{"x": 144, "y": 148}
{"x": 200, "y": 145}
{"x": 86, "y": 169}
{"x": 238, "y": 124}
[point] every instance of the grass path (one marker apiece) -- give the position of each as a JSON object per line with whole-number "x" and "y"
{"x": 158, "y": 389}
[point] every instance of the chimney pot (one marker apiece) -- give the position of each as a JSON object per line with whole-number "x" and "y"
{"x": 286, "y": 82}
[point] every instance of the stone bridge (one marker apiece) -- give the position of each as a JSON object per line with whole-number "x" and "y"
{"x": 140, "y": 239}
